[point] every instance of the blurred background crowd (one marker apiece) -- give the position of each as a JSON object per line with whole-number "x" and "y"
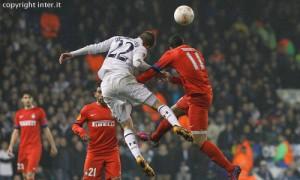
{"x": 252, "y": 49}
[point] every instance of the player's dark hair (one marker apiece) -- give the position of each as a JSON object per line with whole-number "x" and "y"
{"x": 28, "y": 92}
{"x": 175, "y": 41}
{"x": 98, "y": 85}
{"x": 148, "y": 38}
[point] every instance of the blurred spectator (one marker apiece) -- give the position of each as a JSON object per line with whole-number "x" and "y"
{"x": 162, "y": 157}
{"x": 226, "y": 138}
{"x": 77, "y": 160}
{"x": 94, "y": 62}
{"x": 263, "y": 171}
{"x": 241, "y": 159}
{"x": 213, "y": 131}
{"x": 63, "y": 161}
{"x": 184, "y": 121}
{"x": 245, "y": 148}
{"x": 46, "y": 161}
{"x": 217, "y": 56}
{"x": 265, "y": 33}
{"x": 50, "y": 25}
{"x": 289, "y": 174}
{"x": 284, "y": 154}
{"x": 184, "y": 172}
{"x": 285, "y": 46}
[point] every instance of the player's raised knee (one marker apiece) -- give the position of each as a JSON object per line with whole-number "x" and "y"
{"x": 29, "y": 176}
{"x": 199, "y": 138}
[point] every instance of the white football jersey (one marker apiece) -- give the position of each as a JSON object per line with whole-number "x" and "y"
{"x": 124, "y": 54}
{"x": 123, "y": 51}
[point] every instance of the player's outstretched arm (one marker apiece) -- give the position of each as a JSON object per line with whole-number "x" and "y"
{"x": 90, "y": 49}
{"x": 49, "y": 137}
{"x": 147, "y": 75}
{"x": 162, "y": 63}
{"x": 13, "y": 140}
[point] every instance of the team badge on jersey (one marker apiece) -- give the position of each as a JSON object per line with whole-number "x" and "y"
{"x": 33, "y": 116}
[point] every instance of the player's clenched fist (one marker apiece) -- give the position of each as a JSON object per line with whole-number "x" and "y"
{"x": 64, "y": 57}
{"x": 53, "y": 151}
{"x": 85, "y": 138}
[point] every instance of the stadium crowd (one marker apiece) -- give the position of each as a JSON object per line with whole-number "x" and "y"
{"x": 251, "y": 49}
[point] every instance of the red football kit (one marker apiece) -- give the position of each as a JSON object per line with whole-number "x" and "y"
{"x": 103, "y": 148}
{"x": 190, "y": 65}
{"x": 29, "y": 122}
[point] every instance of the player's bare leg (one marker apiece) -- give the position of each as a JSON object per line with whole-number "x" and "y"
{"x": 198, "y": 116}
{"x": 132, "y": 144}
{"x": 163, "y": 127}
{"x": 168, "y": 114}
{"x": 29, "y": 176}
{"x": 216, "y": 155}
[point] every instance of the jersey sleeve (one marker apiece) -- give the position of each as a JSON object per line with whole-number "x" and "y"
{"x": 162, "y": 63}
{"x": 43, "y": 119}
{"x": 94, "y": 48}
{"x": 17, "y": 121}
{"x": 138, "y": 59}
{"x": 80, "y": 120}
{"x": 165, "y": 60}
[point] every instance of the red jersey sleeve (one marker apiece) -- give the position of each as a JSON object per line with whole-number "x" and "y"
{"x": 165, "y": 60}
{"x": 77, "y": 125}
{"x": 43, "y": 119}
{"x": 16, "y": 121}
{"x": 162, "y": 63}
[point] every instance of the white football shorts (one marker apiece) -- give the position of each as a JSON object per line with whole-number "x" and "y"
{"x": 120, "y": 92}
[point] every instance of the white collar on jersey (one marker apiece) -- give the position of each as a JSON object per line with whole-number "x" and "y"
{"x": 139, "y": 40}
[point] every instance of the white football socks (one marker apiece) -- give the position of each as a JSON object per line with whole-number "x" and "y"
{"x": 131, "y": 142}
{"x": 167, "y": 113}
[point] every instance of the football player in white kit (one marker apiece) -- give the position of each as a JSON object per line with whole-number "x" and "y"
{"x": 120, "y": 88}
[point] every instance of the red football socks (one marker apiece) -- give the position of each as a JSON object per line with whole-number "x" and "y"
{"x": 216, "y": 155}
{"x": 162, "y": 128}
{"x": 211, "y": 150}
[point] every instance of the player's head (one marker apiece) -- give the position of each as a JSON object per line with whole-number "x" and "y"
{"x": 148, "y": 38}
{"x": 27, "y": 99}
{"x": 175, "y": 41}
{"x": 98, "y": 96}
{"x": 243, "y": 149}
